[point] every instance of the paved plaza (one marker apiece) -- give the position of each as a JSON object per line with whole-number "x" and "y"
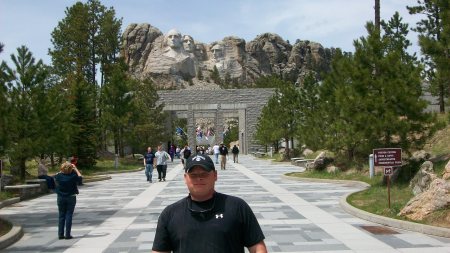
{"x": 120, "y": 215}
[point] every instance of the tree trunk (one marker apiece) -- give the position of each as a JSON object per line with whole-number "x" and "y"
{"x": 52, "y": 160}
{"x": 441, "y": 98}
{"x": 377, "y": 15}
{"x": 116, "y": 143}
{"x": 121, "y": 144}
{"x": 286, "y": 139}
{"x": 22, "y": 168}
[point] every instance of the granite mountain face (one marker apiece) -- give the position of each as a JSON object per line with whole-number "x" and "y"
{"x": 177, "y": 61}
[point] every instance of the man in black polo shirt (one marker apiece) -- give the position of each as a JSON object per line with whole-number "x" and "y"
{"x": 205, "y": 220}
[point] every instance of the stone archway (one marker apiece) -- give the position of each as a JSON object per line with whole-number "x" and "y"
{"x": 243, "y": 104}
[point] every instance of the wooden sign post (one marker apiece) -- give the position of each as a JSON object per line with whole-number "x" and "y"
{"x": 388, "y": 172}
{"x": 388, "y": 158}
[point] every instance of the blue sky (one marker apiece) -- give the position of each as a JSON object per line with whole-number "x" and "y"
{"x": 333, "y": 23}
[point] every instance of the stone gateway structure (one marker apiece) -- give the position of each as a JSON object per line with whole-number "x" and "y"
{"x": 243, "y": 104}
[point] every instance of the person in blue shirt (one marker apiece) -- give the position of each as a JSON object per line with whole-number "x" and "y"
{"x": 149, "y": 160}
{"x": 67, "y": 181}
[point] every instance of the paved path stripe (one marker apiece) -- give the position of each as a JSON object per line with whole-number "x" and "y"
{"x": 347, "y": 234}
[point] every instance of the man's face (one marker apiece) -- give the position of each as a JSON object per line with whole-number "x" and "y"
{"x": 149, "y": 150}
{"x": 200, "y": 183}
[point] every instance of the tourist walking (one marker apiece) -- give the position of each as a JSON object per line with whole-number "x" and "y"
{"x": 172, "y": 152}
{"x": 235, "y": 152}
{"x": 177, "y": 152}
{"x": 216, "y": 153}
{"x": 67, "y": 181}
{"x": 186, "y": 154}
{"x": 206, "y": 220}
{"x": 161, "y": 163}
{"x": 223, "y": 151}
{"x": 149, "y": 160}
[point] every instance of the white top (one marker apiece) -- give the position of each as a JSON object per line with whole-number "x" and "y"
{"x": 216, "y": 149}
{"x": 161, "y": 157}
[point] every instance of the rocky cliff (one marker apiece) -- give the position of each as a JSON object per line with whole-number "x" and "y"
{"x": 230, "y": 62}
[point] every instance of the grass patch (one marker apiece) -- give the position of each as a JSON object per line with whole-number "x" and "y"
{"x": 5, "y": 195}
{"x": 348, "y": 175}
{"x": 106, "y": 165}
{"x": 439, "y": 143}
{"x": 5, "y": 227}
{"x": 375, "y": 199}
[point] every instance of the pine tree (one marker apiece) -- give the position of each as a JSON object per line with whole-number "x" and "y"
{"x": 70, "y": 39}
{"x": 434, "y": 40}
{"x": 280, "y": 115}
{"x": 366, "y": 111}
{"x": 53, "y": 112}
{"x": 309, "y": 130}
{"x": 84, "y": 121}
{"x": 117, "y": 105}
{"x": 23, "y": 124}
{"x": 146, "y": 124}
{"x": 215, "y": 76}
{"x": 4, "y": 106}
{"x": 89, "y": 35}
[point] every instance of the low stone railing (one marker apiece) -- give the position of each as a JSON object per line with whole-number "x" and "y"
{"x": 25, "y": 191}
{"x": 259, "y": 154}
{"x": 41, "y": 182}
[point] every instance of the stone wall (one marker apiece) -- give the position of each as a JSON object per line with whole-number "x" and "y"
{"x": 244, "y": 104}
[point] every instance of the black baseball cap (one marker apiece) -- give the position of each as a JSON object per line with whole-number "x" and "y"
{"x": 203, "y": 161}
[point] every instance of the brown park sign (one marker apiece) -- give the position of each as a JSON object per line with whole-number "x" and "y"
{"x": 387, "y": 157}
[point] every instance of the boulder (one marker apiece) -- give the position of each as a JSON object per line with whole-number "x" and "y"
{"x": 446, "y": 175}
{"x": 420, "y": 156}
{"x": 320, "y": 162}
{"x": 435, "y": 198}
{"x": 333, "y": 169}
{"x": 423, "y": 178}
{"x": 307, "y": 152}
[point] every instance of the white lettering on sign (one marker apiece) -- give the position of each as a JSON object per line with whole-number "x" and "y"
{"x": 387, "y": 157}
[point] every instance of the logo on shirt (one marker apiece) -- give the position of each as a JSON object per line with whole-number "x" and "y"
{"x": 219, "y": 216}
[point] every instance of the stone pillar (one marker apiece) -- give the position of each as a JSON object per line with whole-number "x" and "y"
{"x": 190, "y": 129}
{"x": 219, "y": 124}
{"x": 242, "y": 132}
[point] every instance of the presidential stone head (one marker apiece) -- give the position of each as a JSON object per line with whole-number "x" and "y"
{"x": 188, "y": 43}
{"x": 173, "y": 39}
{"x": 217, "y": 51}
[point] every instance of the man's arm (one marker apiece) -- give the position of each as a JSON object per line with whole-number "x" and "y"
{"x": 260, "y": 247}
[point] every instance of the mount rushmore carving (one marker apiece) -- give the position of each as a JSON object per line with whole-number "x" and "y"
{"x": 174, "y": 60}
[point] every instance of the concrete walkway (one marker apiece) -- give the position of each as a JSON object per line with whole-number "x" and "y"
{"x": 120, "y": 215}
